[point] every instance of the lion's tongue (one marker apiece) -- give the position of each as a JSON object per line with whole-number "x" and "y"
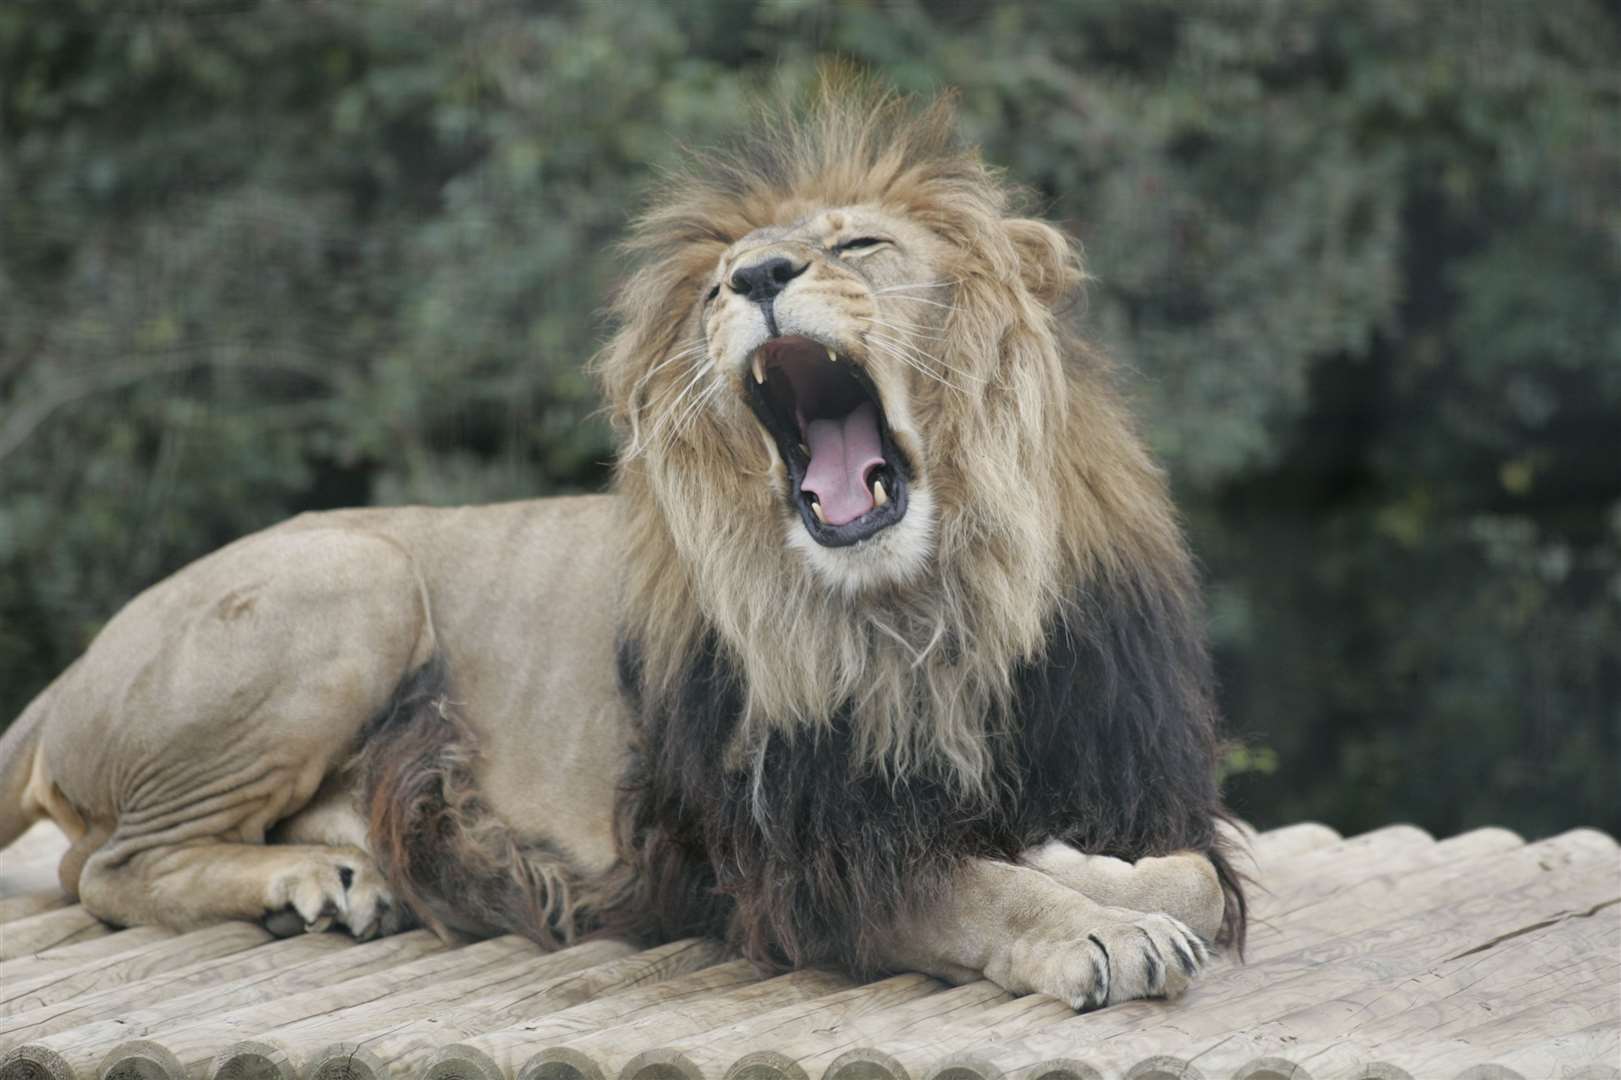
{"x": 842, "y": 452}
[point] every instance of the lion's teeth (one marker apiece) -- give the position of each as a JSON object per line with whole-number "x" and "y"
{"x": 880, "y": 497}
{"x": 832, "y": 357}
{"x": 816, "y": 508}
{"x": 759, "y": 369}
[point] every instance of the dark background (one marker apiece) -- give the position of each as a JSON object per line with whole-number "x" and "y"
{"x": 1363, "y": 258}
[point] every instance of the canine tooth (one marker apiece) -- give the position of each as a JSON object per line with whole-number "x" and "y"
{"x": 816, "y": 508}
{"x": 832, "y": 357}
{"x": 759, "y": 369}
{"x": 880, "y": 497}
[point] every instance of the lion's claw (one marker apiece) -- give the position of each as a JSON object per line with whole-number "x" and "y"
{"x": 334, "y": 885}
{"x": 1121, "y": 956}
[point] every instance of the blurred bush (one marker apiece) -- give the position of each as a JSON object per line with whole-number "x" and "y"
{"x": 1364, "y": 257}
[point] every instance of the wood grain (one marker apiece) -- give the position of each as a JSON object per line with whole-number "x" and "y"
{"x": 194, "y": 1044}
{"x": 213, "y": 981}
{"x": 612, "y": 1050}
{"x": 332, "y": 1036}
{"x": 501, "y": 1052}
{"x": 613, "y": 989}
{"x": 93, "y": 973}
{"x": 797, "y": 1028}
{"x": 36, "y": 934}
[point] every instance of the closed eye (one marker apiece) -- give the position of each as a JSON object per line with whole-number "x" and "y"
{"x": 860, "y": 243}
{"x": 712, "y": 293}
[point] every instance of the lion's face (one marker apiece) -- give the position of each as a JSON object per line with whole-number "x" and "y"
{"x": 824, "y": 334}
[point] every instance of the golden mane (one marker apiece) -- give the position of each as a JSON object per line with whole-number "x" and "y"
{"x": 1040, "y": 480}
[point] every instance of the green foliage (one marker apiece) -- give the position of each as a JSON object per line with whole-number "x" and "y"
{"x": 1365, "y": 256}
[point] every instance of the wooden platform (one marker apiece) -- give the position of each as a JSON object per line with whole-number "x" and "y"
{"x": 1384, "y": 955}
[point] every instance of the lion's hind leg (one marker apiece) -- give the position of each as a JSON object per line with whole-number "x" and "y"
{"x": 221, "y": 703}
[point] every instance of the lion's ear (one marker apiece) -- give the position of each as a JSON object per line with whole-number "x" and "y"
{"x": 1049, "y": 262}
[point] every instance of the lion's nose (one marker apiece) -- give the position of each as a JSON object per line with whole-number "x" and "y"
{"x": 765, "y": 279}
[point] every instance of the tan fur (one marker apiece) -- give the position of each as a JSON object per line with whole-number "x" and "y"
{"x": 229, "y": 700}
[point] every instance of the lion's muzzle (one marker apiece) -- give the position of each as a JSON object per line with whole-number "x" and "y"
{"x": 847, "y": 479}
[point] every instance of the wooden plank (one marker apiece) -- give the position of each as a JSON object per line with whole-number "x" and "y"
{"x": 499, "y": 1053}
{"x": 1276, "y": 845}
{"x": 1284, "y": 886}
{"x": 195, "y": 1045}
{"x": 130, "y": 965}
{"x": 1276, "y": 922}
{"x": 81, "y": 1034}
{"x": 612, "y": 988}
{"x": 1588, "y": 1054}
{"x": 1522, "y": 1042}
{"x": 709, "y": 1051}
{"x": 1419, "y": 882}
{"x": 1331, "y": 866}
{"x": 625, "y": 1049}
{"x": 910, "y": 1054}
{"x": 799, "y": 1047}
{"x": 1520, "y": 888}
{"x": 49, "y": 930}
{"x": 333, "y": 1038}
{"x": 22, "y": 905}
{"x": 1565, "y": 979}
{"x": 67, "y": 957}
{"x": 1362, "y": 916}
{"x": 1394, "y": 1018}
{"x": 118, "y": 1000}
{"x": 197, "y": 1035}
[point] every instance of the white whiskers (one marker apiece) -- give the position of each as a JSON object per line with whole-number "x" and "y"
{"x": 905, "y": 352}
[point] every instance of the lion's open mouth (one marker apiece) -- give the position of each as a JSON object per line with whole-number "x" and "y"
{"x": 845, "y": 476}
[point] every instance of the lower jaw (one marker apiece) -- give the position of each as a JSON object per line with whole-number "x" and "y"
{"x": 873, "y": 523}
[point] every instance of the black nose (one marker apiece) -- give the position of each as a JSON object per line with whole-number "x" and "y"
{"x": 766, "y": 278}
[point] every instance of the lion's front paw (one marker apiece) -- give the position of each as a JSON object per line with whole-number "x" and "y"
{"x": 1101, "y": 958}
{"x": 333, "y": 885}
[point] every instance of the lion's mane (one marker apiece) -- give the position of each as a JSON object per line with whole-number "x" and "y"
{"x": 810, "y": 761}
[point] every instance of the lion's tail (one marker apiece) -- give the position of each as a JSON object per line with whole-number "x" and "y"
{"x": 18, "y": 746}
{"x": 448, "y": 856}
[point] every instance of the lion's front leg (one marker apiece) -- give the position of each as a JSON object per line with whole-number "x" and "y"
{"x": 1028, "y": 933}
{"x": 1183, "y": 886}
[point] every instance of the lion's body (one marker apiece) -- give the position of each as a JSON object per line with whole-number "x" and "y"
{"x": 892, "y": 672}
{"x": 257, "y": 668}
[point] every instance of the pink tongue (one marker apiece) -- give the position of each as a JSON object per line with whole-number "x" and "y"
{"x": 841, "y": 454}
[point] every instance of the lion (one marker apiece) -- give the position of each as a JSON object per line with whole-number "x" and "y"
{"x": 884, "y": 651}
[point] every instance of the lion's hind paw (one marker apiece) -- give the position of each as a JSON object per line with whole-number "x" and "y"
{"x": 333, "y": 885}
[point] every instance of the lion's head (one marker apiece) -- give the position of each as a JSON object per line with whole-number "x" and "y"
{"x": 860, "y": 444}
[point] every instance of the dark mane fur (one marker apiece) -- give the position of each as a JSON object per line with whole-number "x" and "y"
{"x": 1111, "y": 747}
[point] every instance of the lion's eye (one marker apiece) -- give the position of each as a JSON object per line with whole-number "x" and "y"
{"x": 712, "y": 293}
{"x": 860, "y": 243}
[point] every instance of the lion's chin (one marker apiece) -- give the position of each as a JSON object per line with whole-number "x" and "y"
{"x": 848, "y": 482}
{"x": 895, "y": 556}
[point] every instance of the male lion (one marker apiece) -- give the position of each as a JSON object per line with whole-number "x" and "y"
{"x": 884, "y": 653}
